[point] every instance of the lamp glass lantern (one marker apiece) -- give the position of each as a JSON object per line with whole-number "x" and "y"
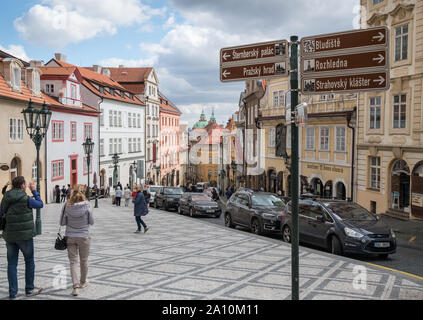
{"x": 31, "y": 116}
{"x": 44, "y": 117}
{"x": 88, "y": 146}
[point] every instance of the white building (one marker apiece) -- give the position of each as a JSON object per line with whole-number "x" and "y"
{"x": 71, "y": 123}
{"x": 121, "y": 124}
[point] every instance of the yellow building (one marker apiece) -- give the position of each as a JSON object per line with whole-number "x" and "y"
{"x": 327, "y": 145}
{"x": 390, "y": 124}
{"x": 272, "y": 114}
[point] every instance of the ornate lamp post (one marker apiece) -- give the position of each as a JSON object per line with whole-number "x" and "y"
{"x": 233, "y": 165}
{"x": 158, "y": 174}
{"x": 88, "y": 149}
{"x": 134, "y": 164}
{"x": 115, "y": 173}
{"x": 37, "y": 123}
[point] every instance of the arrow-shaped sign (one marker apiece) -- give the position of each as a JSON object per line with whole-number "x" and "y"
{"x": 380, "y": 36}
{"x": 226, "y": 56}
{"x": 380, "y": 58}
{"x": 380, "y": 80}
{"x": 226, "y": 73}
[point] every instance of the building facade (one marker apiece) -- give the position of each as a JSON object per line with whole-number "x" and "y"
{"x": 390, "y": 124}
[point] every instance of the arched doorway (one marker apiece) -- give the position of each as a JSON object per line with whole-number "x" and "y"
{"x": 102, "y": 177}
{"x": 400, "y": 186}
{"x": 327, "y": 193}
{"x": 280, "y": 182}
{"x": 272, "y": 181}
{"x": 304, "y": 184}
{"x": 341, "y": 192}
{"x": 15, "y": 168}
{"x": 317, "y": 186}
{"x": 417, "y": 191}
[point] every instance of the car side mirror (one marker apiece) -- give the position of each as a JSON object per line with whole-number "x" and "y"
{"x": 320, "y": 218}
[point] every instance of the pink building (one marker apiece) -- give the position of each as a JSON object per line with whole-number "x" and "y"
{"x": 170, "y": 162}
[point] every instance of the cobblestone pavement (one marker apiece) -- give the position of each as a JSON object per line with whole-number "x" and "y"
{"x": 185, "y": 258}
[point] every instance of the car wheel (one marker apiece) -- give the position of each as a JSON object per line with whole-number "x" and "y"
{"x": 256, "y": 227}
{"x": 191, "y": 212}
{"x": 228, "y": 221}
{"x": 336, "y": 247}
{"x": 383, "y": 256}
{"x": 286, "y": 234}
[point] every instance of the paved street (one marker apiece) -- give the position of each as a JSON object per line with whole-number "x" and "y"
{"x": 185, "y": 258}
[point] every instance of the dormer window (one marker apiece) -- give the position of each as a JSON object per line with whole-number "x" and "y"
{"x": 122, "y": 95}
{"x": 49, "y": 88}
{"x": 101, "y": 90}
{"x": 17, "y": 77}
{"x": 36, "y": 83}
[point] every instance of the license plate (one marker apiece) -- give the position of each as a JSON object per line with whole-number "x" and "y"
{"x": 382, "y": 244}
{"x": 210, "y": 211}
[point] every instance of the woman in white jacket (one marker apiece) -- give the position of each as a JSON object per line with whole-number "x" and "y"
{"x": 77, "y": 216}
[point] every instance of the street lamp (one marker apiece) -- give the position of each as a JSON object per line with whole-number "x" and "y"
{"x": 158, "y": 174}
{"x": 233, "y": 165}
{"x": 115, "y": 173}
{"x": 134, "y": 164}
{"x": 37, "y": 123}
{"x": 88, "y": 148}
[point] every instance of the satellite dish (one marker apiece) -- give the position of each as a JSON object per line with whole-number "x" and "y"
{"x": 4, "y": 166}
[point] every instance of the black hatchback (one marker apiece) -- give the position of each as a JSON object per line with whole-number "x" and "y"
{"x": 198, "y": 204}
{"x": 340, "y": 227}
{"x": 167, "y": 198}
{"x": 258, "y": 211}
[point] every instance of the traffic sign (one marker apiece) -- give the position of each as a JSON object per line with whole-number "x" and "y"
{"x": 354, "y": 39}
{"x": 356, "y": 60}
{"x": 254, "y": 61}
{"x": 353, "y": 82}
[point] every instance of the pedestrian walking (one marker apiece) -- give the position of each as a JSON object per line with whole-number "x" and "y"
{"x": 228, "y": 193}
{"x": 140, "y": 209}
{"x": 215, "y": 196}
{"x": 68, "y": 192}
{"x": 19, "y": 233}
{"x": 118, "y": 196}
{"x": 3, "y": 191}
{"x": 77, "y": 216}
{"x": 63, "y": 199}
{"x": 147, "y": 197}
{"x": 127, "y": 195}
{"x": 57, "y": 192}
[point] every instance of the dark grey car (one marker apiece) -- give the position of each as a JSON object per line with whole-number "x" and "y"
{"x": 340, "y": 227}
{"x": 259, "y": 211}
{"x": 198, "y": 204}
{"x": 167, "y": 198}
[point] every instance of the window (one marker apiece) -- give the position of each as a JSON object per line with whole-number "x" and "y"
{"x": 129, "y": 144}
{"x": 17, "y": 78}
{"x": 57, "y": 169}
{"x": 88, "y": 131}
{"x": 120, "y": 145}
{"x": 101, "y": 147}
{"x": 120, "y": 118}
{"x": 73, "y": 91}
{"x": 110, "y": 118}
{"x": 275, "y": 99}
{"x": 281, "y": 98}
{"x": 375, "y": 112}
{"x": 138, "y": 120}
{"x": 324, "y": 139}
{"x": 111, "y": 146}
{"x": 73, "y": 131}
{"x": 375, "y": 172}
{"x": 310, "y": 138}
{"x": 134, "y": 121}
{"x": 272, "y": 137}
{"x": 85, "y": 166}
{"x": 399, "y": 116}
{"x": 134, "y": 145}
{"x": 49, "y": 88}
{"x": 375, "y": 2}
{"x": 58, "y": 131}
{"x": 401, "y": 42}
{"x": 115, "y": 118}
{"x": 102, "y": 118}
{"x": 16, "y": 129}
{"x": 340, "y": 139}
{"x": 129, "y": 119}
{"x": 139, "y": 144}
{"x": 148, "y": 130}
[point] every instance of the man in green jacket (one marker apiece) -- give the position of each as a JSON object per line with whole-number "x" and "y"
{"x": 19, "y": 233}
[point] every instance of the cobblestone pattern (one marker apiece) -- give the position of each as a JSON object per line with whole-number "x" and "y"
{"x": 186, "y": 258}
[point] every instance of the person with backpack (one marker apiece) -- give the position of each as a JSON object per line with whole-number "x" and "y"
{"x": 68, "y": 192}
{"x": 147, "y": 197}
{"x": 77, "y": 216}
{"x": 140, "y": 209}
{"x": 19, "y": 233}
{"x": 127, "y": 195}
{"x": 118, "y": 196}
{"x": 63, "y": 199}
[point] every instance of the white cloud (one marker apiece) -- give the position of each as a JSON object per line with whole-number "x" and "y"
{"x": 57, "y": 23}
{"x": 130, "y": 63}
{"x": 154, "y": 48}
{"x": 17, "y": 51}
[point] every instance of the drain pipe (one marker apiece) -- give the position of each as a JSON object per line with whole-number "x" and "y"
{"x": 352, "y": 127}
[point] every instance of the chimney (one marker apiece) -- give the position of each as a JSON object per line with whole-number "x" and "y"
{"x": 106, "y": 72}
{"x": 97, "y": 68}
{"x": 121, "y": 66}
{"x": 60, "y": 57}
{"x": 35, "y": 64}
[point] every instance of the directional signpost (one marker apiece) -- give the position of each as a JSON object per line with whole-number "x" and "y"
{"x": 254, "y": 61}
{"x": 345, "y": 62}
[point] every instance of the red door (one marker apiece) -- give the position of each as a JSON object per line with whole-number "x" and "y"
{"x": 74, "y": 169}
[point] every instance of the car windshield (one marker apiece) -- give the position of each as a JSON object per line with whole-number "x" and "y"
{"x": 350, "y": 211}
{"x": 154, "y": 189}
{"x": 200, "y": 198}
{"x": 172, "y": 191}
{"x": 267, "y": 200}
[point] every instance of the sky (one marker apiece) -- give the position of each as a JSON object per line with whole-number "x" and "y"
{"x": 181, "y": 39}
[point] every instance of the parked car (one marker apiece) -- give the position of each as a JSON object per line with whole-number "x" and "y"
{"x": 209, "y": 191}
{"x": 198, "y": 204}
{"x": 153, "y": 190}
{"x": 167, "y": 198}
{"x": 259, "y": 211}
{"x": 340, "y": 227}
{"x": 201, "y": 186}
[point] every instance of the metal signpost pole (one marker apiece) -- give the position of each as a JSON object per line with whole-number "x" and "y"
{"x": 294, "y": 170}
